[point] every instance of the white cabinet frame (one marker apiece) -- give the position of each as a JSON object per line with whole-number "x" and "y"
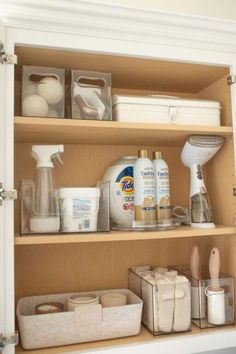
{"x": 87, "y": 26}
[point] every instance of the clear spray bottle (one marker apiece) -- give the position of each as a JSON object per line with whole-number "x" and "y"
{"x": 44, "y": 216}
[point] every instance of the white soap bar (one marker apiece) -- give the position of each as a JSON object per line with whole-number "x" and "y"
{"x": 113, "y": 299}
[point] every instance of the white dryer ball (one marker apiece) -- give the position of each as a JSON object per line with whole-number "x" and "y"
{"x": 34, "y": 106}
{"x": 50, "y": 89}
{"x": 29, "y": 89}
{"x": 52, "y": 113}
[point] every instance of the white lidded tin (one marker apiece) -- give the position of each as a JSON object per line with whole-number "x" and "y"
{"x": 79, "y": 209}
{"x": 165, "y": 110}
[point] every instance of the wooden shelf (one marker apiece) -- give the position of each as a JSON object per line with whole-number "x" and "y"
{"x": 67, "y": 131}
{"x": 181, "y": 232}
{"x": 144, "y": 336}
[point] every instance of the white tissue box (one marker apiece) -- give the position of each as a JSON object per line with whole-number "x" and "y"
{"x": 64, "y": 328}
{"x": 166, "y": 298}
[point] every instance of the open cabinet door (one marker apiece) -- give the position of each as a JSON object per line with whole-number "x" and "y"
{"x": 7, "y": 312}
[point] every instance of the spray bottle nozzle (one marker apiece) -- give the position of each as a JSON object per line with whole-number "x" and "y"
{"x": 45, "y": 155}
{"x": 56, "y": 159}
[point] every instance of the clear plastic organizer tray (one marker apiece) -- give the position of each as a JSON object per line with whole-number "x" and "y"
{"x": 212, "y": 301}
{"x": 77, "y": 210}
{"x": 85, "y": 324}
{"x": 166, "y": 298}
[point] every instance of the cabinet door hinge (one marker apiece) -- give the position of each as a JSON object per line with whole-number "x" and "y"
{"x": 9, "y": 339}
{"x": 7, "y": 194}
{"x": 231, "y": 80}
{"x": 7, "y": 58}
{"x": 234, "y": 191}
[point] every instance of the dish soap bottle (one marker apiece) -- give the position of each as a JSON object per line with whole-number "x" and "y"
{"x": 161, "y": 172}
{"x": 144, "y": 190}
{"x": 44, "y": 216}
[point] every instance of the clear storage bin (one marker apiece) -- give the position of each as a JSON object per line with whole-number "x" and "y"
{"x": 43, "y": 92}
{"x": 166, "y": 299}
{"x": 78, "y": 209}
{"x": 84, "y": 324}
{"x": 212, "y": 301}
{"x": 91, "y": 95}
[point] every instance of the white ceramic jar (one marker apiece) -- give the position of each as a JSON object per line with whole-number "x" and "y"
{"x": 120, "y": 176}
{"x": 75, "y": 301}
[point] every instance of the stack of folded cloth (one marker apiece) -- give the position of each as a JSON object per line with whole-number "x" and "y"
{"x": 166, "y": 299}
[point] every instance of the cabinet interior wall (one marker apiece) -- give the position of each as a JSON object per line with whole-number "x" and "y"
{"x": 42, "y": 269}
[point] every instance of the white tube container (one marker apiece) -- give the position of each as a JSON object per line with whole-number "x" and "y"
{"x": 144, "y": 191}
{"x": 215, "y": 306}
{"x": 162, "y": 190}
{"x": 79, "y": 209}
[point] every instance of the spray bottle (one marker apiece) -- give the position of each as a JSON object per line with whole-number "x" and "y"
{"x": 44, "y": 215}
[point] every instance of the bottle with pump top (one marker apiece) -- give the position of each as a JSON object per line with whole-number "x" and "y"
{"x": 44, "y": 216}
{"x": 162, "y": 189}
{"x": 144, "y": 191}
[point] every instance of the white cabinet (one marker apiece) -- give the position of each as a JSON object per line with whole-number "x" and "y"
{"x": 147, "y": 52}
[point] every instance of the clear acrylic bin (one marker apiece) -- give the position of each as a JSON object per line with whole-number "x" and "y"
{"x": 91, "y": 95}
{"x": 43, "y": 92}
{"x": 78, "y": 209}
{"x": 166, "y": 299}
{"x": 212, "y": 301}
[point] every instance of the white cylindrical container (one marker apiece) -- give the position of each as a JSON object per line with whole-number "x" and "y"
{"x": 198, "y": 302}
{"x": 120, "y": 176}
{"x": 215, "y": 306}
{"x": 162, "y": 189}
{"x": 75, "y": 301}
{"x": 79, "y": 209}
{"x": 144, "y": 191}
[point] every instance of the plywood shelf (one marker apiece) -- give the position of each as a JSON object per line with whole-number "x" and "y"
{"x": 144, "y": 336}
{"x": 68, "y": 131}
{"x": 181, "y": 232}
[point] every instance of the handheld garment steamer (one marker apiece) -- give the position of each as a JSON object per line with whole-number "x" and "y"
{"x": 198, "y": 150}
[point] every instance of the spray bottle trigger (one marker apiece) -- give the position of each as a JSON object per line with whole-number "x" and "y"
{"x": 56, "y": 159}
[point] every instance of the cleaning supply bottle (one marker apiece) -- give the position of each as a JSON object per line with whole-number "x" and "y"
{"x": 44, "y": 216}
{"x": 144, "y": 190}
{"x": 162, "y": 185}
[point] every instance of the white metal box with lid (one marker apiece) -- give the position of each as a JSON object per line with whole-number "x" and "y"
{"x": 165, "y": 110}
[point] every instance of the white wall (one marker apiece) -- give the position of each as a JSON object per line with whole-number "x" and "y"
{"x": 225, "y": 9}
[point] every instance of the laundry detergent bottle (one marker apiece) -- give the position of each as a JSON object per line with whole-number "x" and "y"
{"x": 120, "y": 176}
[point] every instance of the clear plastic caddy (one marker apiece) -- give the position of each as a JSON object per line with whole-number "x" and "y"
{"x": 79, "y": 209}
{"x": 91, "y": 95}
{"x": 166, "y": 298}
{"x": 43, "y": 92}
{"x": 212, "y": 300}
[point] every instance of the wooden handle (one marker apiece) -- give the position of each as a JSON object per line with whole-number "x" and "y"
{"x": 194, "y": 265}
{"x": 214, "y": 268}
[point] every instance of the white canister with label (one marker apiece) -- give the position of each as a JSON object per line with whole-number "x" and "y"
{"x": 79, "y": 209}
{"x": 120, "y": 176}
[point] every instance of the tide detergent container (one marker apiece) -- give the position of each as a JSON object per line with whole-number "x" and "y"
{"x": 120, "y": 176}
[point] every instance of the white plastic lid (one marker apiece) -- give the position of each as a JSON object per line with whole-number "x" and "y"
{"x": 69, "y": 192}
{"x": 163, "y": 101}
